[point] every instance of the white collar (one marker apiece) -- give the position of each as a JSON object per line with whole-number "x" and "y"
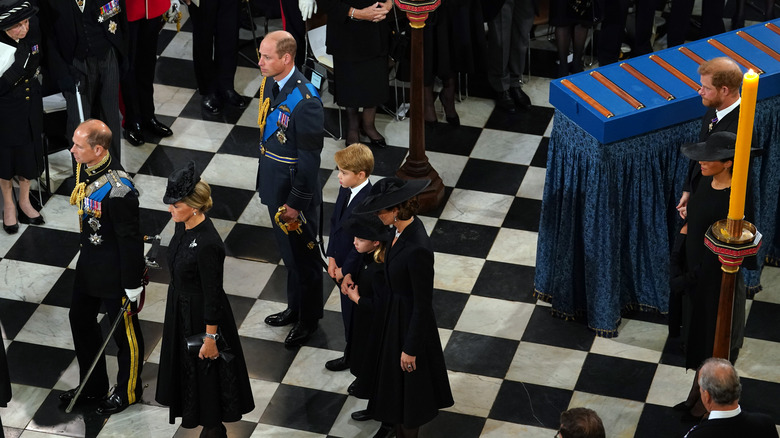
{"x": 715, "y": 415}
{"x": 355, "y": 190}
{"x": 720, "y": 114}
{"x": 285, "y": 79}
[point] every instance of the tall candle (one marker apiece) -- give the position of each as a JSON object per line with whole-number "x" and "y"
{"x": 747, "y": 111}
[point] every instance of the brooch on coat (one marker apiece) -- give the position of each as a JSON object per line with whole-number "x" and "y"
{"x": 95, "y": 239}
{"x": 193, "y": 244}
{"x": 94, "y": 223}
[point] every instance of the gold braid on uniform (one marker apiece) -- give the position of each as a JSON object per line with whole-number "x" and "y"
{"x": 79, "y": 191}
{"x": 262, "y": 111}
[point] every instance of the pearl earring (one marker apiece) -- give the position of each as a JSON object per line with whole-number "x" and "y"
{"x": 194, "y": 213}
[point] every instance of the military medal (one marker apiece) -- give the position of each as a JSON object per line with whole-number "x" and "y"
{"x": 281, "y": 137}
{"x": 107, "y": 11}
{"x": 94, "y": 223}
{"x": 95, "y": 239}
{"x": 712, "y": 124}
{"x": 193, "y": 244}
{"x": 112, "y": 27}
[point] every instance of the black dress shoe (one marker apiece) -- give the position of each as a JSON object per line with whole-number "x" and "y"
{"x": 211, "y": 104}
{"x": 453, "y": 121}
{"x": 386, "y": 430}
{"x": 362, "y": 415}
{"x": 504, "y": 102}
{"x": 23, "y": 218}
{"x": 10, "y": 229}
{"x": 299, "y": 334}
{"x": 235, "y": 99}
{"x": 520, "y": 98}
{"x": 133, "y": 134}
{"x": 68, "y": 395}
{"x": 282, "y": 318}
{"x": 376, "y": 142}
{"x": 339, "y": 364}
{"x": 157, "y": 127}
{"x": 351, "y": 388}
{"x": 112, "y": 404}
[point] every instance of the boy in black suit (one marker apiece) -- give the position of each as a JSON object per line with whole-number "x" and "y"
{"x": 355, "y": 162}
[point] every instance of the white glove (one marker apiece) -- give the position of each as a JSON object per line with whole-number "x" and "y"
{"x": 132, "y": 294}
{"x": 173, "y": 12}
{"x": 308, "y": 8}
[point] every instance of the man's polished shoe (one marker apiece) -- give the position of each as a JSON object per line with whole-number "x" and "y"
{"x": 133, "y": 134}
{"x": 299, "y": 334}
{"x": 339, "y": 364}
{"x": 521, "y": 99}
{"x": 282, "y": 318}
{"x": 351, "y": 388}
{"x": 386, "y": 430}
{"x": 361, "y": 415}
{"x": 68, "y": 395}
{"x": 235, "y": 99}
{"x": 211, "y": 104}
{"x": 111, "y": 405}
{"x": 157, "y": 127}
{"x": 504, "y": 102}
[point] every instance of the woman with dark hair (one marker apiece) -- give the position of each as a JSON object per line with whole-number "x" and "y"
{"x": 358, "y": 38}
{"x": 408, "y": 384}
{"x": 21, "y": 111}
{"x": 202, "y": 376}
{"x": 698, "y": 269}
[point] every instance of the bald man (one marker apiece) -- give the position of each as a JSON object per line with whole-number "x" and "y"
{"x": 108, "y": 272}
{"x": 288, "y": 178}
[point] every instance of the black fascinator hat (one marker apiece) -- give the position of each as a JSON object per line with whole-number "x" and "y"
{"x": 367, "y": 226}
{"x": 14, "y": 11}
{"x": 181, "y": 183}
{"x": 719, "y": 146}
{"x": 389, "y": 192}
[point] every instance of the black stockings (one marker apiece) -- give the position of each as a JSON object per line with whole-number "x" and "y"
{"x": 563, "y": 37}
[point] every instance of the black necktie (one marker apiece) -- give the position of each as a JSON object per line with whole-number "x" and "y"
{"x": 275, "y": 90}
{"x": 344, "y": 207}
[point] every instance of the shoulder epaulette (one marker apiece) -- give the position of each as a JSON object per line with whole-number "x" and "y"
{"x": 121, "y": 183}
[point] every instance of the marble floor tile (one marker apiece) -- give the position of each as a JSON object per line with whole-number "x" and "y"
{"x": 200, "y": 135}
{"x": 9, "y": 240}
{"x": 142, "y": 420}
{"x": 444, "y": 337}
{"x": 269, "y": 431}
{"x": 133, "y": 157}
{"x": 25, "y": 401}
{"x": 502, "y": 429}
{"x": 254, "y": 325}
{"x": 246, "y": 279}
{"x": 769, "y": 276}
{"x": 49, "y": 325}
{"x": 758, "y": 359}
{"x": 473, "y": 394}
{"x": 546, "y": 365}
{"x": 347, "y": 427}
{"x": 59, "y": 214}
{"x": 476, "y": 207}
{"x": 330, "y": 190}
{"x": 670, "y": 385}
{"x": 249, "y": 116}
{"x": 473, "y": 111}
{"x": 638, "y": 340}
{"x": 507, "y": 147}
{"x": 619, "y": 416}
{"x": 170, "y": 101}
{"x": 538, "y": 89}
{"x": 429, "y": 223}
{"x": 514, "y": 246}
{"x": 308, "y": 370}
{"x": 256, "y": 213}
{"x": 152, "y": 190}
{"x": 533, "y": 183}
{"x": 240, "y": 172}
{"x": 180, "y": 47}
{"x": 29, "y": 282}
{"x": 493, "y": 317}
{"x": 398, "y": 136}
{"x": 303, "y": 408}
{"x": 154, "y": 304}
{"x": 223, "y": 227}
{"x": 247, "y": 80}
{"x": 262, "y": 391}
{"x": 449, "y": 166}
{"x": 456, "y": 273}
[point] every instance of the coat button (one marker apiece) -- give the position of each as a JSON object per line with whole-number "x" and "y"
{"x": 27, "y": 98}
{"x": 26, "y": 81}
{"x": 26, "y": 89}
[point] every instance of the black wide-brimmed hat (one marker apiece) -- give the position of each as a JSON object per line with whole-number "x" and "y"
{"x": 181, "y": 183}
{"x": 719, "y": 146}
{"x": 389, "y": 192}
{"x": 14, "y": 11}
{"x": 367, "y": 226}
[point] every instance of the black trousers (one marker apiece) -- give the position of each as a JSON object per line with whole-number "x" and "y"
{"x": 215, "y": 44}
{"x": 87, "y": 339}
{"x": 138, "y": 83}
{"x": 304, "y": 270}
{"x": 293, "y": 23}
{"x": 680, "y": 15}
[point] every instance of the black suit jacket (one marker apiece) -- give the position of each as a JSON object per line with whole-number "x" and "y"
{"x": 340, "y": 243}
{"x": 58, "y": 22}
{"x": 745, "y": 424}
{"x": 728, "y": 123}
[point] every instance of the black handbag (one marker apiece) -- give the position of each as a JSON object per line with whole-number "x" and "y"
{"x": 195, "y": 342}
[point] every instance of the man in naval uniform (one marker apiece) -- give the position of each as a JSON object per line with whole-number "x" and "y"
{"x": 109, "y": 270}
{"x": 292, "y": 123}
{"x": 86, "y": 46}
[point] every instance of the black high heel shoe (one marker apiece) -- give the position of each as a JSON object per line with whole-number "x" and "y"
{"x": 23, "y": 218}
{"x": 10, "y": 229}
{"x": 377, "y": 142}
{"x": 452, "y": 121}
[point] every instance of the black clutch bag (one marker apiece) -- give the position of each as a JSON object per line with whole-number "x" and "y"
{"x": 194, "y": 343}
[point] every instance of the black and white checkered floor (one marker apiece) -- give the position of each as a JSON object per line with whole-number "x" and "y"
{"x": 513, "y": 367}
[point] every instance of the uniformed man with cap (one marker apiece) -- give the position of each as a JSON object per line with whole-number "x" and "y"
{"x": 292, "y": 125}
{"x": 109, "y": 270}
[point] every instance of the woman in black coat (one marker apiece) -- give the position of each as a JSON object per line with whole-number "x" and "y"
{"x": 409, "y": 382}
{"x": 208, "y": 383}
{"x": 358, "y": 38}
{"x": 21, "y": 110}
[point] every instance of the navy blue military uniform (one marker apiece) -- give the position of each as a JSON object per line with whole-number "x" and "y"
{"x": 288, "y": 173}
{"x": 111, "y": 260}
